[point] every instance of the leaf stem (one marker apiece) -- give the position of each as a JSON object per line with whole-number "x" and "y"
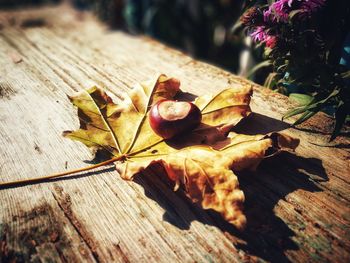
{"x": 56, "y": 175}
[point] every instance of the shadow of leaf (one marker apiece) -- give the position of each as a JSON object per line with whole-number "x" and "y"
{"x": 268, "y": 234}
{"x": 257, "y": 123}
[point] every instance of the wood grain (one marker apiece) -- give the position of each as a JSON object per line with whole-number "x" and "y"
{"x": 297, "y": 204}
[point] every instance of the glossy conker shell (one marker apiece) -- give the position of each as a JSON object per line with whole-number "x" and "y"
{"x": 169, "y": 118}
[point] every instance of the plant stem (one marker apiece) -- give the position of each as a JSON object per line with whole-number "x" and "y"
{"x": 56, "y": 175}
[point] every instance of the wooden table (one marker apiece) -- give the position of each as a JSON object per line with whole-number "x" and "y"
{"x": 297, "y": 204}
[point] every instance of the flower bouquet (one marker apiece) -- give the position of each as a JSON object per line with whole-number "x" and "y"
{"x": 305, "y": 44}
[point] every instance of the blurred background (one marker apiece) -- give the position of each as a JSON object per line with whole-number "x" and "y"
{"x": 202, "y": 29}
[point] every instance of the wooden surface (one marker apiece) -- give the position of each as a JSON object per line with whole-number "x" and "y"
{"x": 297, "y": 204}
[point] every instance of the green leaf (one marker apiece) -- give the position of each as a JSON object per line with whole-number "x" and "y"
{"x": 307, "y": 115}
{"x": 259, "y": 66}
{"x": 294, "y": 112}
{"x": 312, "y": 106}
{"x": 236, "y": 26}
{"x": 293, "y": 13}
{"x": 346, "y": 75}
{"x": 270, "y": 81}
{"x": 301, "y": 99}
{"x": 279, "y": 69}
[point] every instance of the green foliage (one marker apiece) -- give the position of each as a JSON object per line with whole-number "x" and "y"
{"x": 301, "y": 99}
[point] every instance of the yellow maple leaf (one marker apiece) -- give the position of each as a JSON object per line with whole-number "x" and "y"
{"x": 203, "y": 161}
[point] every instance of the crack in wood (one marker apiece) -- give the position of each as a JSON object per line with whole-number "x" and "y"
{"x": 6, "y": 91}
{"x": 120, "y": 252}
{"x": 64, "y": 202}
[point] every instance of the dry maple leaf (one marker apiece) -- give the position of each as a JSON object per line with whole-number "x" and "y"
{"x": 203, "y": 160}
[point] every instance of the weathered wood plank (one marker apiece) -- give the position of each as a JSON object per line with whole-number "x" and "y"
{"x": 297, "y": 204}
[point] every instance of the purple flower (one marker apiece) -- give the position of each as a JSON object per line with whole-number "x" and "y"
{"x": 278, "y": 11}
{"x": 259, "y": 34}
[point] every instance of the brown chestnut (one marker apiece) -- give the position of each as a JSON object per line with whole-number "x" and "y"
{"x": 169, "y": 118}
